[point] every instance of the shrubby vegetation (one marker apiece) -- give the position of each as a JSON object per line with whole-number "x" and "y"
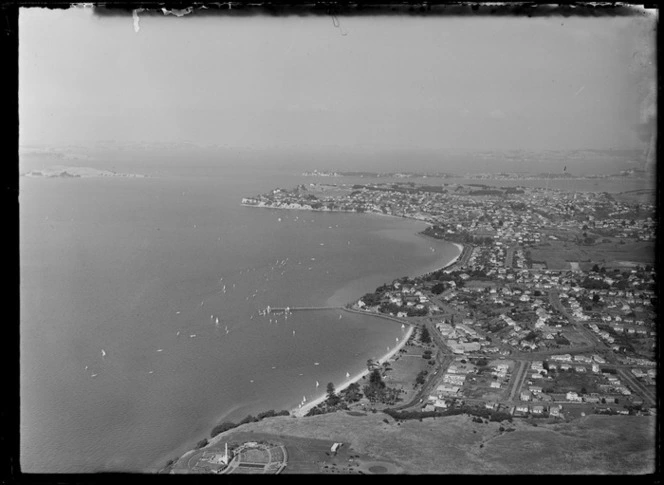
{"x": 378, "y": 392}
{"x": 225, "y": 426}
{"x": 495, "y": 416}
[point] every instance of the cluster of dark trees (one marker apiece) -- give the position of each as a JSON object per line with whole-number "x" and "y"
{"x": 425, "y": 336}
{"x": 440, "y": 276}
{"x": 495, "y": 416}
{"x": 378, "y": 392}
{"x": 225, "y": 426}
{"x": 421, "y": 377}
{"x": 439, "y": 232}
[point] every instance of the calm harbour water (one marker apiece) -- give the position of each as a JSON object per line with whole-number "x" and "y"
{"x": 123, "y": 265}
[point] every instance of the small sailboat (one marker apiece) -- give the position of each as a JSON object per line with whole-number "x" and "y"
{"x": 317, "y": 384}
{"x": 216, "y": 321}
{"x": 347, "y": 375}
{"x": 86, "y": 367}
{"x": 403, "y": 326}
{"x": 339, "y": 317}
{"x": 279, "y": 219}
{"x": 211, "y": 317}
{"x": 103, "y": 353}
{"x": 178, "y": 333}
{"x": 293, "y": 332}
{"x": 226, "y": 328}
{"x": 304, "y": 398}
{"x": 251, "y": 317}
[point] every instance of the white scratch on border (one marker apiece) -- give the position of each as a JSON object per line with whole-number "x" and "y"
{"x": 134, "y": 14}
{"x": 178, "y": 12}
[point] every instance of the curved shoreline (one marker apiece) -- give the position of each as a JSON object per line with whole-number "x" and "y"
{"x": 299, "y": 412}
{"x": 302, "y": 411}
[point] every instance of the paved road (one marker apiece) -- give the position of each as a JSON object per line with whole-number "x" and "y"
{"x": 509, "y": 256}
{"x": 519, "y": 374}
{"x": 444, "y": 358}
{"x": 647, "y": 394}
{"x": 592, "y": 340}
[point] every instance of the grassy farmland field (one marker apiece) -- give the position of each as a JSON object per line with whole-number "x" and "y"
{"x": 456, "y": 445}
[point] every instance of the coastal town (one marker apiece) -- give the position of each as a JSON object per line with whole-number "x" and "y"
{"x": 548, "y": 311}
{"x": 546, "y": 315}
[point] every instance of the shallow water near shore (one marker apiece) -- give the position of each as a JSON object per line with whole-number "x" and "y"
{"x": 143, "y": 268}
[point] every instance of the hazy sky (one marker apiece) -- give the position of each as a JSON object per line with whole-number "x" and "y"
{"x": 387, "y": 82}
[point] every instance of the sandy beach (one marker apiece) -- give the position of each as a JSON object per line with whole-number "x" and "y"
{"x": 455, "y": 259}
{"x": 301, "y": 411}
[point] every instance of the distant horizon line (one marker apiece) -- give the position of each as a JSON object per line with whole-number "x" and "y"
{"x": 190, "y": 144}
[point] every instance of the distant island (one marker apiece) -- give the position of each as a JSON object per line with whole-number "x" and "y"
{"x": 77, "y": 172}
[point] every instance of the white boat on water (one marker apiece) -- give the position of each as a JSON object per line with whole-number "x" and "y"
{"x": 192, "y": 335}
{"x": 103, "y": 353}
{"x": 316, "y": 363}
{"x": 293, "y": 332}
{"x": 317, "y": 384}
{"x": 216, "y": 321}
{"x": 304, "y": 398}
{"x": 93, "y": 375}
{"x": 347, "y": 375}
{"x": 178, "y": 333}
{"x": 339, "y": 317}
{"x": 160, "y": 350}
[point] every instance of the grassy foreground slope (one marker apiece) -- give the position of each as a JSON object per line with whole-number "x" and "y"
{"x": 457, "y": 445}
